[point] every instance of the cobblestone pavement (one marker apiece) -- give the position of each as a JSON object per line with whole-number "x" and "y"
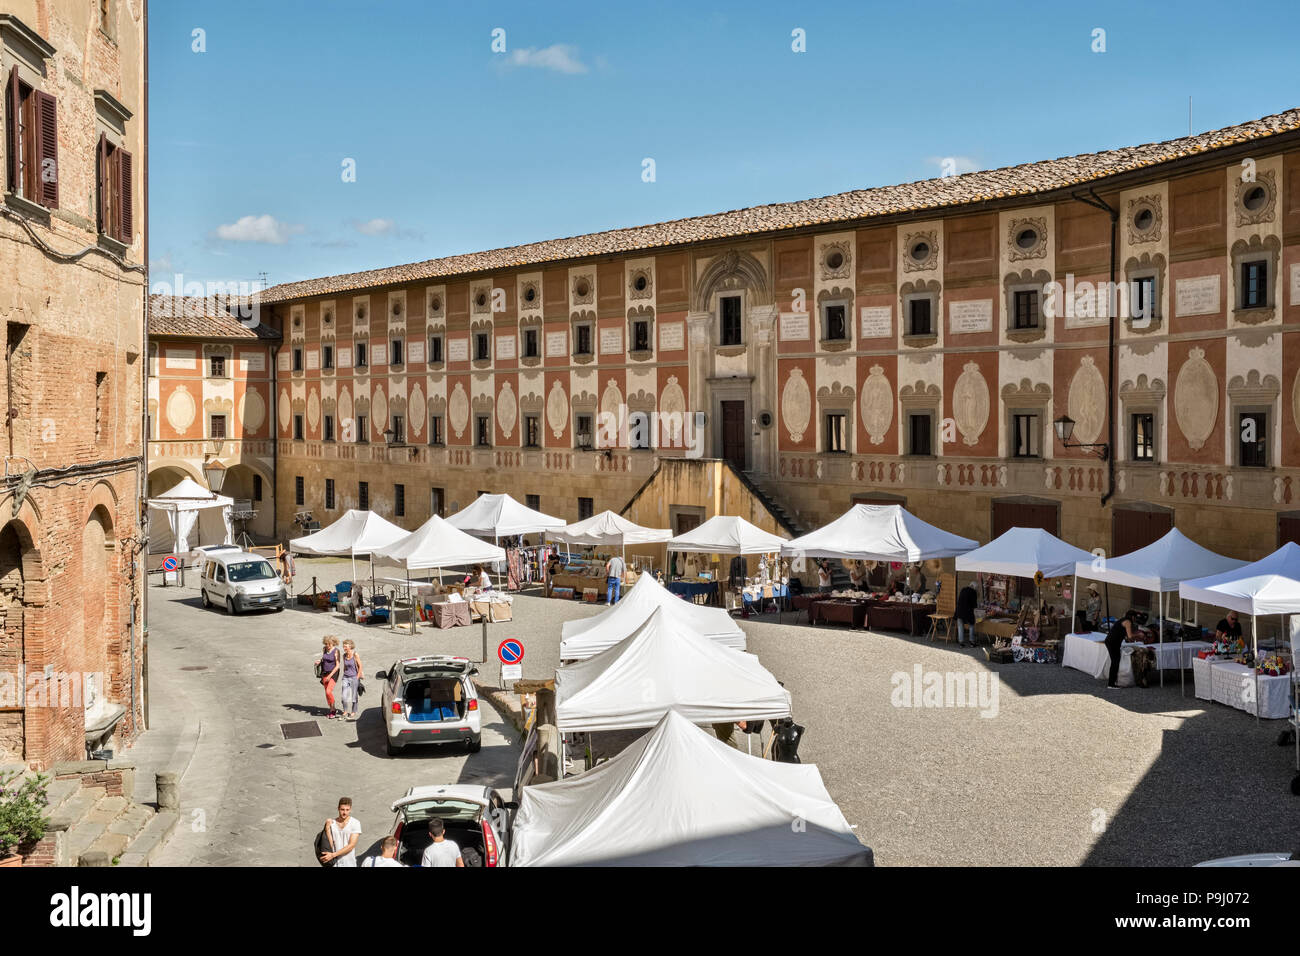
{"x": 1066, "y": 773}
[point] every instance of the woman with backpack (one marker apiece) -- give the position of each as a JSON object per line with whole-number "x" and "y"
{"x": 328, "y": 668}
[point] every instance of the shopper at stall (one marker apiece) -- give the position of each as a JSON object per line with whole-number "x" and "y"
{"x": 1121, "y": 631}
{"x": 614, "y": 569}
{"x": 858, "y": 576}
{"x": 964, "y": 615}
{"x": 1229, "y": 629}
{"x": 1094, "y": 607}
{"x": 824, "y": 576}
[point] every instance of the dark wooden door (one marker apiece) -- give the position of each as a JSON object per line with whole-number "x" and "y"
{"x": 733, "y": 434}
{"x": 1132, "y": 530}
{"x": 1288, "y": 529}
{"x": 1018, "y": 514}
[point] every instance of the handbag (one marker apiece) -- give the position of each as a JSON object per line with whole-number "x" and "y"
{"x": 319, "y": 670}
{"x": 324, "y": 844}
{"x": 361, "y": 687}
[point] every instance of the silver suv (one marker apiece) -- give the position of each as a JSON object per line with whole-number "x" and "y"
{"x": 431, "y": 700}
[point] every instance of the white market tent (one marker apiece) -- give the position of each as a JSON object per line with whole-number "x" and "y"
{"x": 436, "y": 544}
{"x": 1161, "y": 567}
{"x": 681, "y": 797}
{"x": 357, "y": 532}
{"x": 500, "y": 516}
{"x": 664, "y": 666}
{"x": 727, "y": 534}
{"x": 1024, "y": 552}
{"x": 187, "y": 516}
{"x": 587, "y": 637}
{"x": 1270, "y": 585}
{"x": 609, "y": 530}
{"x": 879, "y": 533}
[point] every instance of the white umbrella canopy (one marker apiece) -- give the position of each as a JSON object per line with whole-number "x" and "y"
{"x": 680, "y": 797}
{"x": 1270, "y": 585}
{"x": 1024, "y": 552}
{"x": 500, "y": 516}
{"x": 1161, "y": 566}
{"x": 608, "y": 528}
{"x": 436, "y": 544}
{"x": 728, "y": 534}
{"x": 184, "y": 506}
{"x": 356, "y": 532}
{"x": 664, "y": 666}
{"x": 879, "y": 533}
{"x": 589, "y": 636}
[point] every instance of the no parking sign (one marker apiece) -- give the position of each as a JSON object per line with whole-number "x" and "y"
{"x": 170, "y": 563}
{"x": 510, "y": 651}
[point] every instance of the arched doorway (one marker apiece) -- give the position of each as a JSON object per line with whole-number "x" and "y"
{"x": 12, "y": 647}
{"x": 99, "y": 601}
{"x": 246, "y": 484}
{"x": 167, "y": 477}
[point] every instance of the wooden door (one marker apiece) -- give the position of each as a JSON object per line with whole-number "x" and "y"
{"x": 733, "y": 434}
{"x": 1132, "y": 530}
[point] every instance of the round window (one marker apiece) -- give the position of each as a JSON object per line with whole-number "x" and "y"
{"x": 530, "y": 294}
{"x": 640, "y": 283}
{"x": 1144, "y": 219}
{"x": 765, "y": 419}
{"x": 835, "y": 260}
{"x": 435, "y": 304}
{"x": 920, "y": 251}
{"x": 361, "y": 312}
{"x": 329, "y": 317}
{"x": 480, "y": 300}
{"x": 582, "y": 287}
{"x": 1255, "y": 197}
{"x": 397, "y": 308}
{"x": 1027, "y": 239}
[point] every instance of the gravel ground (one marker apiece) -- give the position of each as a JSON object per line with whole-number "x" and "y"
{"x": 1065, "y": 773}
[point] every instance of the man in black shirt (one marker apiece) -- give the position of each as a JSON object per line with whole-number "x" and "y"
{"x": 964, "y": 616}
{"x": 1229, "y": 629}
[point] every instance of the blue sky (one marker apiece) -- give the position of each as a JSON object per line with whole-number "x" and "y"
{"x": 458, "y": 148}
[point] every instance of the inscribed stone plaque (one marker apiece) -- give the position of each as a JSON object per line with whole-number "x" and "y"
{"x": 345, "y": 357}
{"x": 557, "y": 344}
{"x": 415, "y": 351}
{"x": 184, "y": 358}
{"x": 313, "y": 358}
{"x": 283, "y": 361}
{"x": 379, "y": 353}
{"x": 1295, "y": 284}
{"x": 877, "y": 321}
{"x": 972, "y": 315}
{"x": 506, "y": 346}
{"x": 794, "y": 327}
{"x": 672, "y": 336}
{"x": 1198, "y": 296}
{"x": 458, "y": 350}
{"x": 611, "y": 341}
{"x": 253, "y": 361}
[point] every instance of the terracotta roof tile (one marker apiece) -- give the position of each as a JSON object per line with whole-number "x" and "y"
{"x": 201, "y": 317}
{"x": 1023, "y": 180}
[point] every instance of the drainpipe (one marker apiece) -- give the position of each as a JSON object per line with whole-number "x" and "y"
{"x": 275, "y": 442}
{"x": 1112, "y": 306}
{"x": 142, "y": 472}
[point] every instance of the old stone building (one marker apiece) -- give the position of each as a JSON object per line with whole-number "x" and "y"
{"x": 72, "y": 300}
{"x": 210, "y": 400}
{"x": 909, "y": 344}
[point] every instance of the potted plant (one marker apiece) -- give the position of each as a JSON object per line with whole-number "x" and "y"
{"x": 22, "y": 813}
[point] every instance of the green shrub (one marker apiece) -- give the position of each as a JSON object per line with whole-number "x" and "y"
{"x": 22, "y": 810}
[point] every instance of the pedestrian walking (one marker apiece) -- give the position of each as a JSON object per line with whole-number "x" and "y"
{"x": 344, "y": 832}
{"x": 441, "y": 852}
{"x": 329, "y": 670}
{"x": 614, "y": 568}
{"x": 387, "y": 855}
{"x": 353, "y": 674}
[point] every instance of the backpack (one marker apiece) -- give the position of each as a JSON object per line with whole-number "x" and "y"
{"x": 324, "y": 844}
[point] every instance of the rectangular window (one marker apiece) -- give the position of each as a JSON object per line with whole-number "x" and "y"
{"x": 1254, "y": 284}
{"x": 435, "y": 501}
{"x": 435, "y": 430}
{"x": 297, "y": 428}
{"x": 582, "y": 340}
{"x": 836, "y": 325}
{"x": 395, "y": 352}
{"x": 919, "y": 318}
{"x": 836, "y": 427}
{"x": 359, "y": 351}
{"x": 533, "y": 501}
{"x": 582, "y": 426}
{"x": 483, "y": 431}
{"x": 1142, "y": 437}
{"x": 399, "y": 429}
{"x": 531, "y": 349}
{"x": 218, "y": 426}
{"x": 919, "y": 431}
{"x": 1144, "y": 297}
{"x": 1026, "y": 436}
{"x": 329, "y": 494}
{"x": 297, "y": 360}
{"x": 641, "y": 336}
{"x": 729, "y": 324}
{"x": 585, "y": 508}
{"x": 532, "y": 431}
{"x": 257, "y": 487}
{"x": 363, "y": 429}
{"x": 481, "y": 347}
{"x": 363, "y": 495}
{"x": 399, "y": 501}
{"x": 101, "y": 404}
{"x": 1026, "y": 309}
{"x": 32, "y": 128}
{"x": 217, "y": 366}
{"x": 114, "y": 174}
{"x": 329, "y": 427}
{"x": 327, "y": 356}
{"x": 299, "y": 491}
{"x": 1252, "y": 438}
{"x": 435, "y": 349}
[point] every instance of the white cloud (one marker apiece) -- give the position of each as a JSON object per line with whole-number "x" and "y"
{"x": 953, "y": 165}
{"x": 559, "y": 57}
{"x": 375, "y": 227}
{"x": 264, "y": 228}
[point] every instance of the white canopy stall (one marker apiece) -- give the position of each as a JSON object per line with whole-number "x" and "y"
{"x": 608, "y": 529}
{"x": 1160, "y": 567}
{"x": 728, "y": 534}
{"x": 879, "y": 533}
{"x": 680, "y": 797}
{"x": 664, "y": 666}
{"x": 436, "y": 544}
{"x": 1024, "y": 552}
{"x": 187, "y": 516}
{"x": 500, "y": 516}
{"x": 357, "y": 532}
{"x": 587, "y": 637}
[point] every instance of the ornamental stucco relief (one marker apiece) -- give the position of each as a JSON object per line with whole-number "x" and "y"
{"x": 970, "y": 403}
{"x": 181, "y": 409}
{"x": 1086, "y": 401}
{"x": 252, "y": 410}
{"x": 419, "y": 409}
{"x": 458, "y": 409}
{"x": 313, "y": 410}
{"x": 1196, "y": 399}
{"x": 672, "y": 412}
{"x": 507, "y": 409}
{"x": 379, "y": 408}
{"x": 796, "y": 405}
{"x": 611, "y": 403}
{"x": 283, "y": 403}
{"x": 877, "y": 404}
{"x": 557, "y": 409}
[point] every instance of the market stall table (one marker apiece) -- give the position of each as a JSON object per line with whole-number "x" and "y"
{"x": 1234, "y": 684}
{"x": 1088, "y": 653}
{"x": 838, "y": 611}
{"x": 450, "y": 614}
{"x": 899, "y": 616}
{"x": 495, "y": 611}
{"x": 757, "y": 595}
{"x": 694, "y": 590}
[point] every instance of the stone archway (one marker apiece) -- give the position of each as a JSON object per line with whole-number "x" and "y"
{"x": 99, "y": 606}
{"x": 240, "y": 484}
{"x": 13, "y": 646}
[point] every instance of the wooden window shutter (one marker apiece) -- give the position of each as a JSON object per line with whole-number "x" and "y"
{"x": 11, "y": 127}
{"x": 126, "y": 196}
{"x": 47, "y": 150}
{"x": 101, "y": 175}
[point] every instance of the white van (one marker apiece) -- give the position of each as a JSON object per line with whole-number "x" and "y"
{"x": 240, "y": 580}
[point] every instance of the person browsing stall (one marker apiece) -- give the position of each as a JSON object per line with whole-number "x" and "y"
{"x": 614, "y": 569}
{"x": 1120, "y": 632}
{"x": 1229, "y": 629}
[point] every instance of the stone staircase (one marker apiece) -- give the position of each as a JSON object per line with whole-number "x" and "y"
{"x": 93, "y": 823}
{"x": 760, "y": 490}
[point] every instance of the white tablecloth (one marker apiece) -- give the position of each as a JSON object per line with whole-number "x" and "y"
{"x": 1201, "y": 671}
{"x": 1234, "y": 684}
{"x": 1087, "y": 653}
{"x": 1168, "y": 654}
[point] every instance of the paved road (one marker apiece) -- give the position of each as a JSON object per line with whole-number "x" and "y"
{"x": 1065, "y": 774}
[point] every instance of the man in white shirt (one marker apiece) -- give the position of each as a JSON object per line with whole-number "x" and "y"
{"x": 441, "y": 852}
{"x": 613, "y": 579}
{"x": 387, "y": 854}
{"x": 344, "y": 834}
